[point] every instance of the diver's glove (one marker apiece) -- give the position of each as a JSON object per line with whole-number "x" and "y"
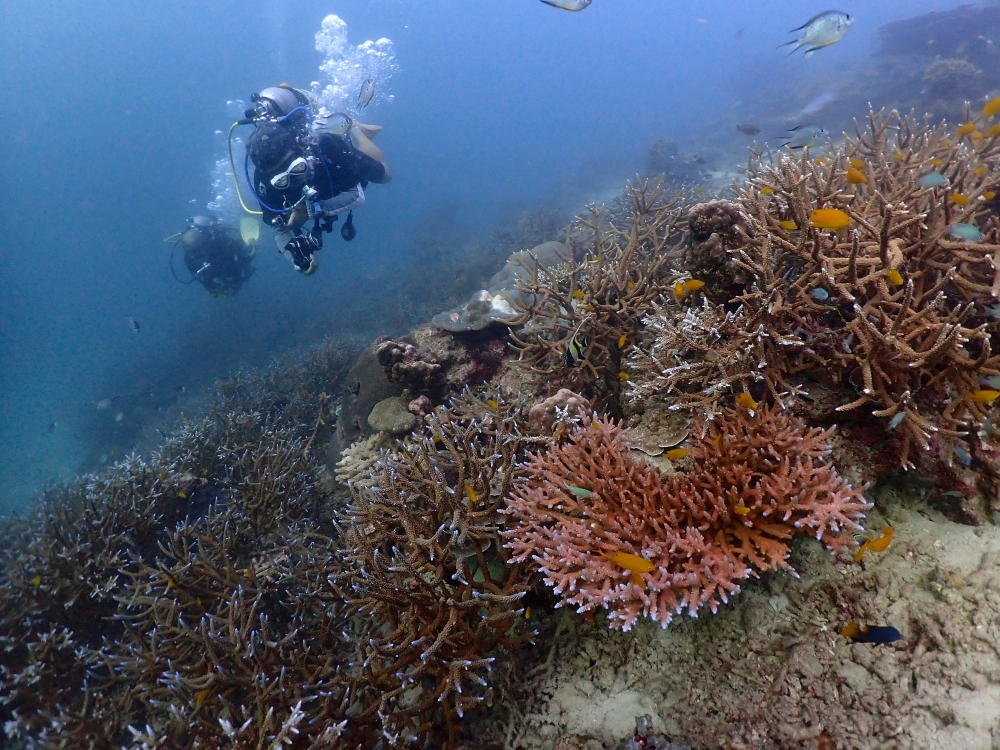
{"x": 300, "y": 251}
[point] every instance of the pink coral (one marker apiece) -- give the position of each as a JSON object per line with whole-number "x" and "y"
{"x": 756, "y": 482}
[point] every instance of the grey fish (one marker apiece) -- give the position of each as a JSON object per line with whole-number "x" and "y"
{"x": 748, "y": 129}
{"x": 133, "y": 324}
{"x": 366, "y": 94}
{"x": 804, "y": 136}
{"x": 338, "y": 123}
{"x": 568, "y": 4}
{"x": 822, "y": 30}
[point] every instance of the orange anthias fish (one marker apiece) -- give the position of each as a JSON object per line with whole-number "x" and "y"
{"x": 964, "y": 129}
{"x": 633, "y": 563}
{"x": 829, "y": 218}
{"x": 878, "y": 544}
{"x": 856, "y": 176}
{"x": 984, "y": 397}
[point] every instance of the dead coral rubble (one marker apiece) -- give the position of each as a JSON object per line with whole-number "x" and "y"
{"x": 606, "y": 529}
{"x": 894, "y": 304}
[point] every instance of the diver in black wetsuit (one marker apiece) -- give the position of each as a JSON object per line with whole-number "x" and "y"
{"x": 304, "y": 172}
{"x": 216, "y": 257}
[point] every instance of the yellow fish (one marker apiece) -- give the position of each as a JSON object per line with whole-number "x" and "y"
{"x": 788, "y": 225}
{"x": 994, "y": 131}
{"x": 201, "y": 697}
{"x": 711, "y": 356}
{"x": 527, "y": 613}
{"x": 878, "y": 544}
{"x": 693, "y": 285}
{"x": 182, "y": 495}
{"x": 676, "y": 454}
{"x": 989, "y": 195}
{"x": 472, "y": 494}
{"x": 992, "y": 107}
{"x": 964, "y": 129}
{"x": 857, "y": 163}
{"x": 937, "y": 162}
{"x": 829, "y": 218}
{"x": 36, "y": 581}
{"x": 959, "y": 199}
{"x": 621, "y": 340}
{"x": 767, "y": 190}
{"x": 678, "y": 291}
{"x": 894, "y": 276}
{"x": 741, "y": 510}
{"x": 980, "y": 170}
{"x": 715, "y": 441}
{"x": 746, "y": 401}
{"x": 984, "y": 397}
{"x": 899, "y": 157}
{"x": 821, "y": 160}
{"x": 578, "y": 294}
{"x": 629, "y": 285}
{"x": 623, "y": 375}
{"x": 856, "y": 176}
{"x": 493, "y": 404}
{"x": 632, "y": 563}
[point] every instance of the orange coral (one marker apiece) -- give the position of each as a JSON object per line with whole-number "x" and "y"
{"x": 699, "y": 532}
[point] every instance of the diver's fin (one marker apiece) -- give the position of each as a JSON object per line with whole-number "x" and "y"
{"x": 370, "y": 131}
{"x": 365, "y": 145}
{"x": 249, "y": 231}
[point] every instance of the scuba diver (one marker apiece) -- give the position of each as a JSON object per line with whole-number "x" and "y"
{"x": 217, "y": 257}
{"x": 308, "y": 167}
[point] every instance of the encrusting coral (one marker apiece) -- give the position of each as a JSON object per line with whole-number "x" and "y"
{"x": 871, "y": 268}
{"x": 606, "y": 529}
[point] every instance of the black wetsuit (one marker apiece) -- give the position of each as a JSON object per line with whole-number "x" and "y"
{"x": 339, "y": 168}
{"x": 219, "y": 261}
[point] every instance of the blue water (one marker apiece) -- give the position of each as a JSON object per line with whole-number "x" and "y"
{"x": 109, "y": 143}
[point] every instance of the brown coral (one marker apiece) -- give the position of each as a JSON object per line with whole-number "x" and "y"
{"x": 893, "y": 304}
{"x": 757, "y": 481}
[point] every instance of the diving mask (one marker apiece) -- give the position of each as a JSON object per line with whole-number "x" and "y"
{"x": 298, "y": 168}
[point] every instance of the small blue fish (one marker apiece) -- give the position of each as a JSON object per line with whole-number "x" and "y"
{"x": 962, "y": 455}
{"x": 897, "y": 420}
{"x": 993, "y": 381}
{"x": 581, "y": 492}
{"x": 932, "y": 179}
{"x": 988, "y": 428}
{"x": 819, "y": 294}
{"x": 967, "y": 232}
{"x": 876, "y": 635}
{"x": 133, "y": 324}
{"x": 993, "y": 311}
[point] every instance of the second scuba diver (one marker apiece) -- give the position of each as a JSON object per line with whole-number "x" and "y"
{"x": 308, "y": 168}
{"x": 215, "y": 256}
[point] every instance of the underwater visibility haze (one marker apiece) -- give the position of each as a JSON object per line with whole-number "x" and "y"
{"x": 660, "y": 341}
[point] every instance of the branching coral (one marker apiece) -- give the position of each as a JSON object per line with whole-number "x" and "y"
{"x": 606, "y": 529}
{"x": 603, "y": 298}
{"x": 438, "y": 599}
{"x": 894, "y": 302}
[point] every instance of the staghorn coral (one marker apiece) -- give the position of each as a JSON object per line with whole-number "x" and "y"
{"x": 438, "y": 600}
{"x": 893, "y": 305}
{"x": 623, "y": 272}
{"x": 757, "y": 481}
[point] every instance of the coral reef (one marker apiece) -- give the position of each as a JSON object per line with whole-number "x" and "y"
{"x": 439, "y": 600}
{"x": 560, "y": 409}
{"x": 606, "y": 529}
{"x": 604, "y": 297}
{"x": 894, "y": 303}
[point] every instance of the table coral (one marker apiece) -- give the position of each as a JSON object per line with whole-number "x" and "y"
{"x": 606, "y": 529}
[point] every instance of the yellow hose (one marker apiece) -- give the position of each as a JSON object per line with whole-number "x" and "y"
{"x": 232, "y": 165}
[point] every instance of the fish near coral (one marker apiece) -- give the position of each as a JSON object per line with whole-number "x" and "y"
{"x": 746, "y": 401}
{"x": 856, "y": 176}
{"x": 878, "y": 544}
{"x": 748, "y": 129}
{"x": 788, "y": 225}
{"x": 984, "y": 396}
{"x": 932, "y": 179}
{"x": 992, "y": 107}
{"x": 829, "y": 218}
{"x": 967, "y": 232}
{"x": 633, "y": 564}
{"x": 804, "y": 136}
{"x": 966, "y": 128}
